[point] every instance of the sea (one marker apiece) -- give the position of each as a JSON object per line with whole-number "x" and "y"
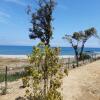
{"x": 25, "y": 50}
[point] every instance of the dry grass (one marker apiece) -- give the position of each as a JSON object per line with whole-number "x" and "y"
{"x": 12, "y": 62}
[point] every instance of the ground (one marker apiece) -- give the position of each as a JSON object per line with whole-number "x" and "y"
{"x": 12, "y": 62}
{"x": 82, "y": 83}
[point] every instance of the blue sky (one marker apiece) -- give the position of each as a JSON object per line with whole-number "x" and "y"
{"x": 69, "y": 16}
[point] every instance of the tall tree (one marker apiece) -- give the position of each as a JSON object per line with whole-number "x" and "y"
{"x": 46, "y": 68}
{"x": 42, "y": 28}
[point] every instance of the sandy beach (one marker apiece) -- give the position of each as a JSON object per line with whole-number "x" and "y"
{"x": 14, "y": 56}
{"x": 25, "y": 56}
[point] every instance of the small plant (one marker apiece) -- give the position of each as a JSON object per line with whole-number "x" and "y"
{"x": 25, "y": 82}
{"x": 84, "y": 56}
{"x": 3, "y": 91}
{"x": 66, "y": 71}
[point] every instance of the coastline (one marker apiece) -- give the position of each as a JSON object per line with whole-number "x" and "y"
{"x": 25, "y": 56}
{"x": 14, "y": 56}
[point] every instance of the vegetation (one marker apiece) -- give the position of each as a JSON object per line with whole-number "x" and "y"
{"x": 12, "y": 77}
{"x": 42, "y": 21}
{"x": 78, "y": 40}
{"x": 45, "y": 74}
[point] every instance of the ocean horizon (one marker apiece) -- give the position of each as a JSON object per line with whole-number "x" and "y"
{"x": 25, "y": 50}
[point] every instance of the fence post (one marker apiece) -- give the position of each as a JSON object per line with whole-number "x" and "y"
{"x": 68, "y": 62}
{"x": 6, "y": 79}
{"x": 83, "y": 60}
{"x": 92, "y": 57}
{"x": 95, "y": 57}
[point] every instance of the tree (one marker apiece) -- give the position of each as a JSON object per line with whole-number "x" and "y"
{"x": 87, "y": 34}
{"x": 42, "y": 21}
{"x": 41, "y": 26}
{"x": 78, "y": 40}
{"x": 45, "y": 70}
{"x": 74, "y": 41}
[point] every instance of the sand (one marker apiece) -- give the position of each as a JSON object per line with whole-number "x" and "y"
{"x": 12, "y": 62}
{"x": 14, "y": 56}
{"x": 25, "y": 56}
{"x": 82, "y": 83}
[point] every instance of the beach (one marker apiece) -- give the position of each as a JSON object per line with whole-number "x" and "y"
{"x": 26, "y": 56}
{"x": 14, "y": 56}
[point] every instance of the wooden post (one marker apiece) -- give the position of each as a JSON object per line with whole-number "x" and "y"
{"x": 92, "y": 58}
{"x": 68, "y": 63}
{"x": 83, "y": 60}
{"x": 6, "y": 79}
{"x": 95, "y": 57}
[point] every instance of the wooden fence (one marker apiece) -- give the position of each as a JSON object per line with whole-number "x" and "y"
{"x": 11, "y": 74}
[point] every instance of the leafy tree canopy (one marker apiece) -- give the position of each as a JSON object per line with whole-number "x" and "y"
{"x": 42, "y": 20}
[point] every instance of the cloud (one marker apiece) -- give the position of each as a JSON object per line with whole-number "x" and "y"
{"x": 19, "y": 2}
{"x": 4, "y": 17}
{"x": 3, "y": 14}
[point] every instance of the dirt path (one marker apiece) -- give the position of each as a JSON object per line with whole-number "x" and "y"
{"x": 83, "y": 83}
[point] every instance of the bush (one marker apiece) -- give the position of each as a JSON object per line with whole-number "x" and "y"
{"x": 84, "y": 56}
{"x": 45, "y": 74}
{"x": 25, "y": 81}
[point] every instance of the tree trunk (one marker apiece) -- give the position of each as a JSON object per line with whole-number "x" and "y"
{"x": 81, "y": 52}
{"x": 76, "y": 56}
{"x": 82, "y": 48}
{"x": 45, "y": 83}
{"x": 45, "y": 76}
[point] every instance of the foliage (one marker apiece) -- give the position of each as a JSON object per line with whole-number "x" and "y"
{"x": 25, "y": 81}
{"x": 41, "y": 21}
{"x": 11, "y": 77}
{"x": 45, "y": 74}
{"x": 84, "y": 56}
{"x": 78, "y": 40}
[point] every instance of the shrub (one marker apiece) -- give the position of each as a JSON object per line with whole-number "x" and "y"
{"x": 84, "y": 56}
{"x": 45, "y": 74}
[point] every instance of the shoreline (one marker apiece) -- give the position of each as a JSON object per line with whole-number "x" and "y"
{"x": 14, "y": 56}
{"x": 25, "y": 56}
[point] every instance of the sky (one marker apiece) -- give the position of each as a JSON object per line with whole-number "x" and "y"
{"x": 69, "y": 16}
